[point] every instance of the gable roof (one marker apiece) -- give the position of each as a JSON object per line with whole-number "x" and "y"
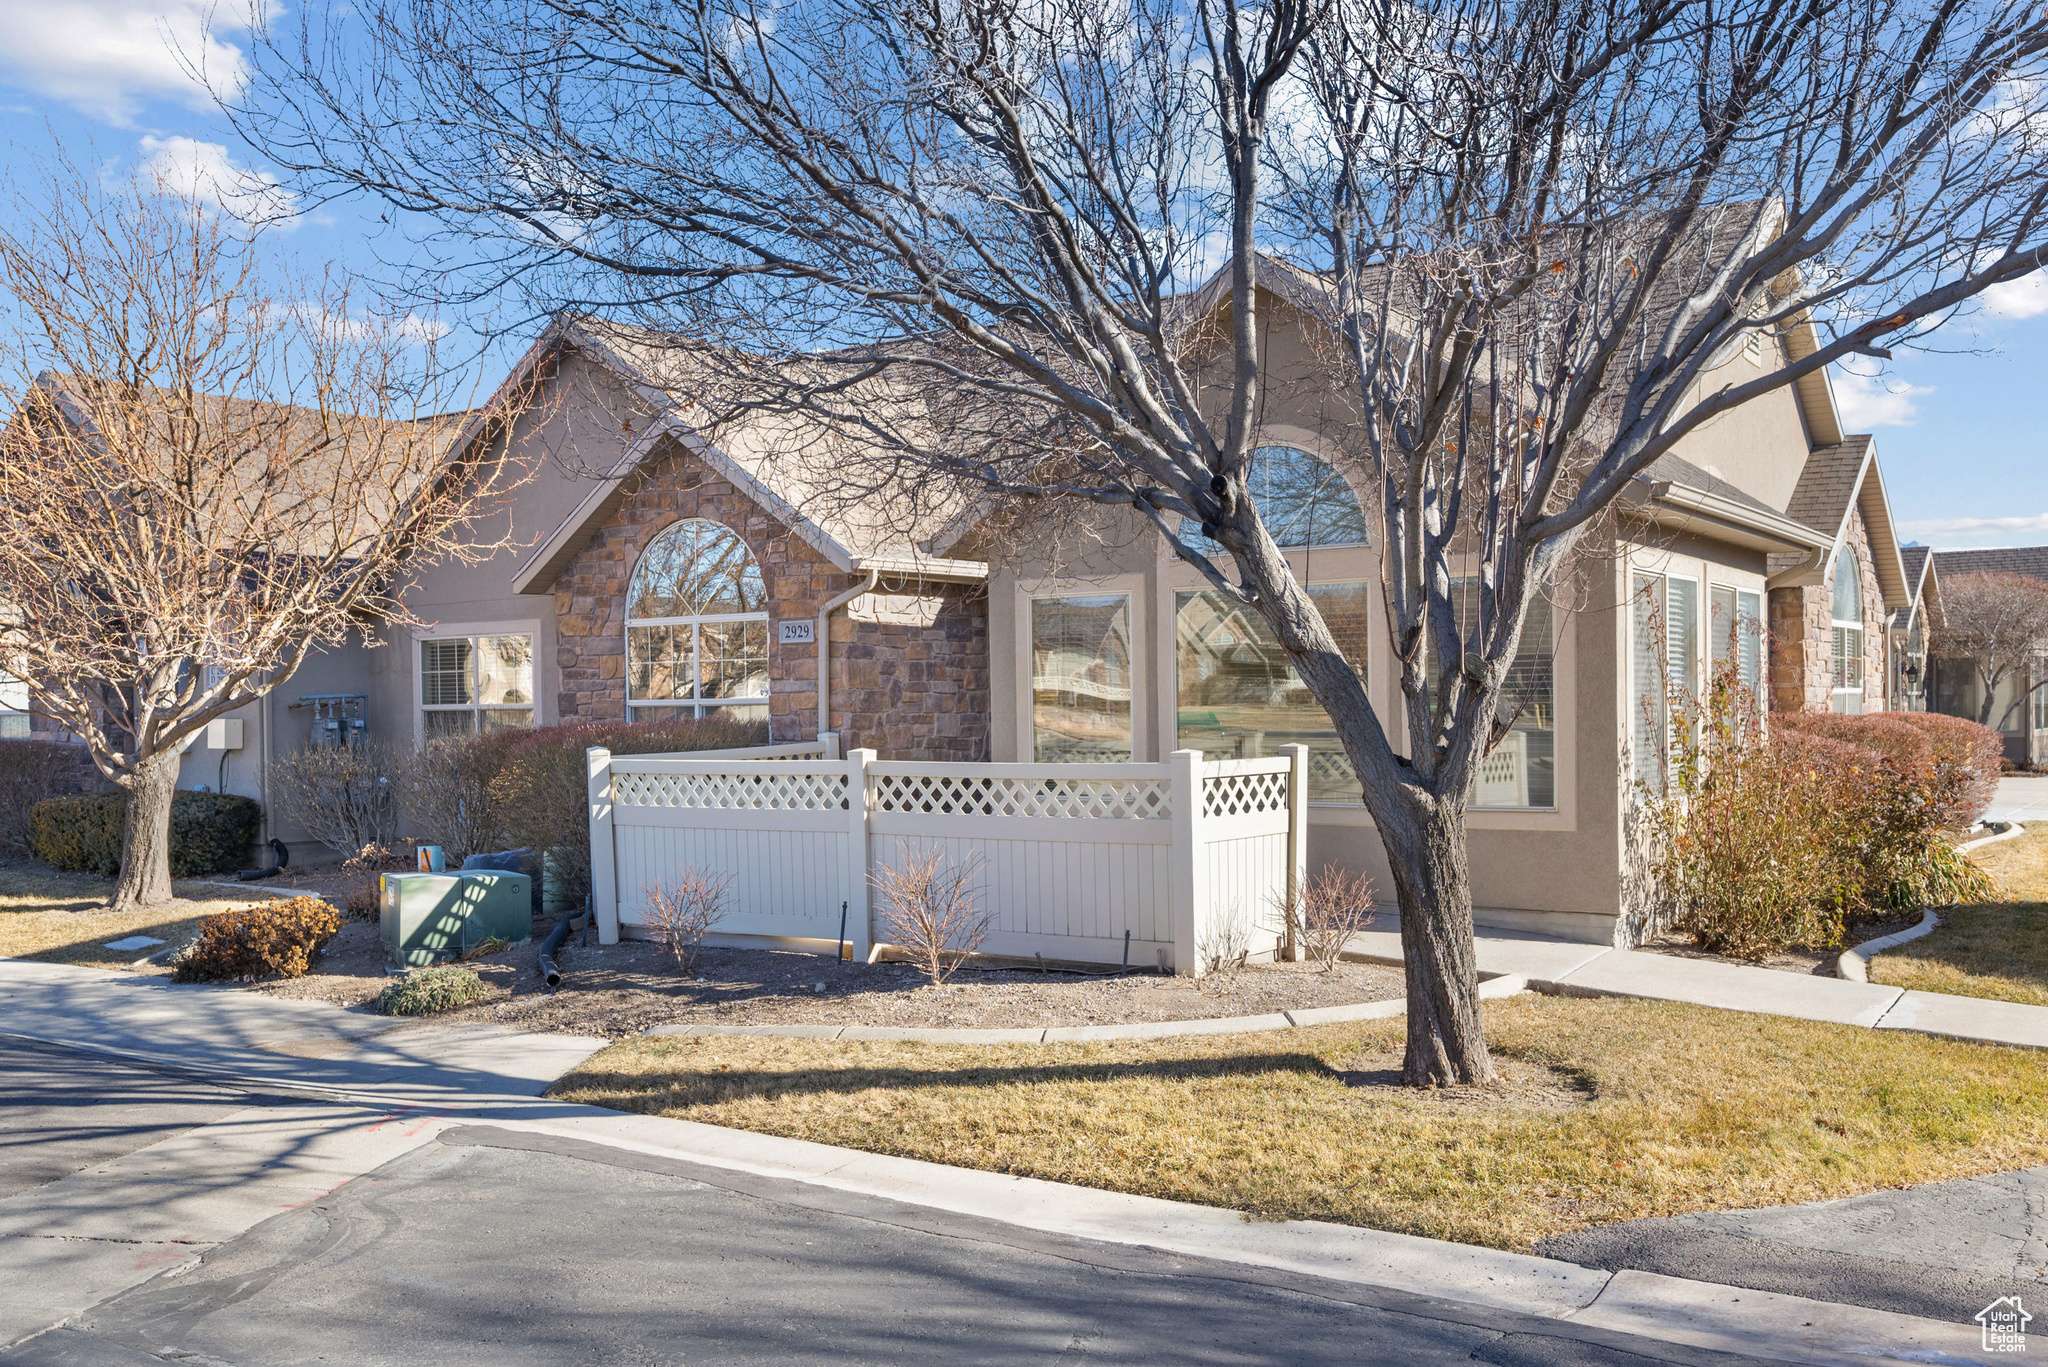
{"x": 1837, "y": 481}
{"x": 750, "y": 459}
{"x": 2028, "y": 560}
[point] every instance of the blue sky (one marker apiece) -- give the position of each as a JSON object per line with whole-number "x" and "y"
{"x": 1961, "y": 434}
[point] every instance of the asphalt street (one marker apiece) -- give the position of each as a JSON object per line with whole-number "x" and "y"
{"x": 497, "y": 1246}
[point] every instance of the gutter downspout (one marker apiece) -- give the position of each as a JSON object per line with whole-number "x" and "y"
{"x": 825, "y": 646}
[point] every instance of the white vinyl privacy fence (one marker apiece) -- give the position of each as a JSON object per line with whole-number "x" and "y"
{"x": 1166, "y": 863}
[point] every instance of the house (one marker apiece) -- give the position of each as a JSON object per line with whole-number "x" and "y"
{"x": 662, "y": 573}
{"x": 2019, "y": 706}
{"x": 1912, "y": 670}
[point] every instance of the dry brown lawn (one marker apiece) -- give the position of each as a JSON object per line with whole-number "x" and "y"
{"x": 57, "y": 917}
{"x": 1998, "y": 950}
{"x": 1611, "y": 1110}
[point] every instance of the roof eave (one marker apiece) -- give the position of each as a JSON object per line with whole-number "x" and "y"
{"x": 1681, "y": 507}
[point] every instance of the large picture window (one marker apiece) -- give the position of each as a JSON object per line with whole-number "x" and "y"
{"x": 1663, "y": 660}
{"x": 1846, "y": 646}
{"x": 475, "y": 683}
{"x": 1238, "y": 696}
{"x": 1081, "y": 679}
{"x": 1302, "y": 500}
{"x": 697, "y": 627}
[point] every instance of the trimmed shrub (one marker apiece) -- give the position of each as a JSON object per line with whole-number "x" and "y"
{"x": 1968, "y": 758}
{"x": 424, "y": 991}
{"x": 542, "y": 789}
{"x": 30, "y": 771}
{"x": 271, "y": 937}
{"x": 210, "y": 832}
{"x": 1775, "y": 841}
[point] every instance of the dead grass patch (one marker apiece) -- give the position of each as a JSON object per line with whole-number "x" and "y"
{"x": 57, "y": 918}
{"x": 1998, "y": 950}
{"x": 1608, "y": 1110}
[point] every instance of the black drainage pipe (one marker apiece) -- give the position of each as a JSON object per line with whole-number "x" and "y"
{"x": 550, "y": 971}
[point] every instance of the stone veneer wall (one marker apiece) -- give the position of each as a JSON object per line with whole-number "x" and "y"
{"x": 1802, "y": 637}
{"x": 910, "y": 692}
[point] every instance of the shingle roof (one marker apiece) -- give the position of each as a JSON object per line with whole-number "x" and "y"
{"x": 2030, "y": 560}
{"x": 1827, "y": 484}
{"x": 1680, "y": 471}
{"x": 1914, "y": 558}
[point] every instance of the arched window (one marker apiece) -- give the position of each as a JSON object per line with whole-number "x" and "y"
{"x": 697, "y": 627}
{"x": 1846, "y": 648}
{"x": 1302, "y": 498}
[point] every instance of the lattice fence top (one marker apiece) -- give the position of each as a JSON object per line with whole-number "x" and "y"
{"x": 747, "y": 792}
{"x": 1330, "y": 766}
{"x": 1138, "y": 799}
{"x": 1244, "y": 794}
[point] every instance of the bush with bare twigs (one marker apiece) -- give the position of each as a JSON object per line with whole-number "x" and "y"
{"x": 1224, "y": 947}
{"x": 342, "y": 796}
{"x": 1334, "y": 907}
{"x": 363, "y": 873}
{"x": 681, "y": 911}
{"x": 932, "y": 911}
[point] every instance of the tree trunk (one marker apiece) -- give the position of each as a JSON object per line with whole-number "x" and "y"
{"x": 1446, "y": 1044}
{"x": 145, "y": 879}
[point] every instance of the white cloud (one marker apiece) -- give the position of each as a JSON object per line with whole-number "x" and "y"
{"x": 1962, "y": 533}
{"x": 1871, "y": 401}
{"x": 204, "y": 173}
{"x": 106, "y": 57}
{"x": 2026, "y": 297}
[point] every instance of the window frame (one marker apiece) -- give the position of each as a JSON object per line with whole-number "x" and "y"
{"x": 1759, "y": 687}
{"x": 1701, "y": 652}
{"x": 1839, "y": 628}
{"x": 696, "y": 705}
{"x": 1030, "y": 694}
{"x": 16, "y": 723}
{"x": 1191, "y": 532}
{"x": 1133, "y": 588}
{"x": 472, "y": 632}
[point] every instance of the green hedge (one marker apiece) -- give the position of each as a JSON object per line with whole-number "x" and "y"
{"x": 210, "y": 832}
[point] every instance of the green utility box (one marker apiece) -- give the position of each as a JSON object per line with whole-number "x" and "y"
{"x": 429, "y": 917}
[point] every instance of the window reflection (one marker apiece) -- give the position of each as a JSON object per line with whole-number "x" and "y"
{"x": 1081, "y": 679}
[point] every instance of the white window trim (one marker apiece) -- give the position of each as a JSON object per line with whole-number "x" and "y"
{"x": 1759, "y": 592}
{"x": 450, "y": 631}
{"x": 1702, "y": 646}
{"x": 1132, "y": 587}
{"x": 699, "y": 707}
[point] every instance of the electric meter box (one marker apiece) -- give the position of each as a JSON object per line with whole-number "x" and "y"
{"x": 224, "y": 733}
{"x": 428, "y": 918}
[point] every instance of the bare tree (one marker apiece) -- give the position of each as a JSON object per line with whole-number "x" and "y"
{"x": 1998, "y": 623}
{"x": 1020, "y": 248}
{"x": 212, "y": 471}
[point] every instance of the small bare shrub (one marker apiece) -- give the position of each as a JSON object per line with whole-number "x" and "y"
{"x": 1224, "y": 948}
{"x": 362, "y": 874}
{"x": 931, "y": 911}
{"x": 1334, "y": 907}
{"x": 444, "y": 789}
{"x": 683, "y": 910}
{"x": 342, "y": 796}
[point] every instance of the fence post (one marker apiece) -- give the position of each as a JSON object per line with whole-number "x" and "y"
{"x": 830, "y": 740}
{"x": 1190, "y": 880}
{"x": 1297, "y": 842}
{"x": 604, "y": 868}
{"x": 860, "y": 936}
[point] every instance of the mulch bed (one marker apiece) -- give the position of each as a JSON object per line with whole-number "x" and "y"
{"x": 619, "y": 990}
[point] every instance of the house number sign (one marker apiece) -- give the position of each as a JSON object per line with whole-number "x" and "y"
{"x": 797, "y": 633}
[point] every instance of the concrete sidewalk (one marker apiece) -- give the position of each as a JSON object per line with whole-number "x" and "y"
{"x": 1574, "y": 969}
{"x": 384, "y": 1091}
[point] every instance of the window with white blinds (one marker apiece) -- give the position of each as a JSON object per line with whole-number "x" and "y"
{"x": 1664, "y": 652}
{"x": 1845, "y": 655}
{"x": 1737, "y": 631}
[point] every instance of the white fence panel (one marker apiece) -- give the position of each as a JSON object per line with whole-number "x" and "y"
{"x": 1077, "y": 862}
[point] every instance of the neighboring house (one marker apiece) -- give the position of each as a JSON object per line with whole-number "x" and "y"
{"x": 2020, "y": 708}
{"x": 668, "y": 574}
{"x": 1912, "y": 670}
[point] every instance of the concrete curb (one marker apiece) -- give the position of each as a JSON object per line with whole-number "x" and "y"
{"x": 2012, "y": 829}
{"x": 1854, "y": 962}
{"x": 1505, "y": 985}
